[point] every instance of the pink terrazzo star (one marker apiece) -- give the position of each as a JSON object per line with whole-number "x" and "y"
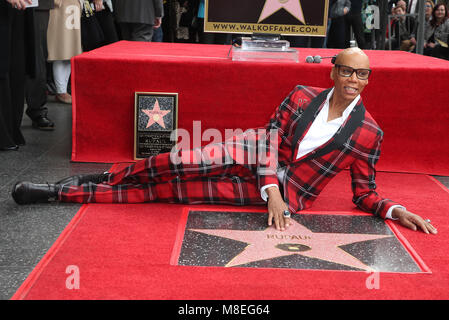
{"x": 292, "y": 6}
{"x": 297, "y": 239}
{"x": 156, "y": 115}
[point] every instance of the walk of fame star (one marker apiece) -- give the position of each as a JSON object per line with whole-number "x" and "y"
{"x": 292, "y": 6}
{"x": 156, "y": 115}
{"x": 297, "y": 240}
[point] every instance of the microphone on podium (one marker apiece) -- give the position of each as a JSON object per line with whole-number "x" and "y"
{"x": 318, "y": 59}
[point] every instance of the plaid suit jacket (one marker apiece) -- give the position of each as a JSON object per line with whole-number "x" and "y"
{"x": 356, "y": 146}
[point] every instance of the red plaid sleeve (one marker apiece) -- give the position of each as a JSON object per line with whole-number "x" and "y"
{"x": 275, "y": 130}
{"x": 363, "y": 174}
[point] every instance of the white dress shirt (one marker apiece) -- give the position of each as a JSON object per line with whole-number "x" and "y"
{"x": 320, "y": 132}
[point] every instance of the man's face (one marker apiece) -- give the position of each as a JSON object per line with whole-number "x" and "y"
{"x": 348, "y": 88}
{"x": 399, "y": 12}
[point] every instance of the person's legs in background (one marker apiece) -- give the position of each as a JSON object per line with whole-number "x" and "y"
{"x": 440, "y": 52}
{"x": 223, "y": 38}
{"x": 326, "y": 39}
{"x": 317, "y": 42}
{"x": 305, "y": 41}
{"x": 107, "y": 24}
{"x": 206, "y": 37}
{"x": 61, "y": 74}
{"x": 17, "y": 78}
{"x": 211, "y": 37}
{"x": 298, "y": 41}
{"x": 336, "y": 39}
{"x": 158, "y": 35}
{"x": 354, "y": 21}
{"x": 136, "y": 31}
{"x": 6, "y": 139}
{"x": 36, "y": 88}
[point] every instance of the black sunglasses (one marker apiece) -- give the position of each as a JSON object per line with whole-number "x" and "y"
{"x": 345, "y": 71}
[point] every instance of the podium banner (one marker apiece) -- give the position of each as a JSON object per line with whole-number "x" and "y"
{"x": 285, "y": 17}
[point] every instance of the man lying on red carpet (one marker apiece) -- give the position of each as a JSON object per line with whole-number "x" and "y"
{"x": 314, "y": 134}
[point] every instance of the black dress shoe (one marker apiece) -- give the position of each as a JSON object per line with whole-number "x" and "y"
{"x": 43, "y": 123}
{"x": 13, "y": 148}
{"x": 27, "y": 192}
{"x": 83, "y": 178}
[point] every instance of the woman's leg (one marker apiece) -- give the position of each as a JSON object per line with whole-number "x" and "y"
{"x": 61, "y": 74}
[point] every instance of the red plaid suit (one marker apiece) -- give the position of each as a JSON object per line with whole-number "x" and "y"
{"x": 356, "y": 146}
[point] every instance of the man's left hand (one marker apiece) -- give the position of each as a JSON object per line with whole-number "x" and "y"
{"x": 413, "y": 221}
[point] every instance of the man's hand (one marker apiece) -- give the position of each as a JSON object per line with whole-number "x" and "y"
{"x": 413, "y": 221}
{"x": 276, "y": 208}
{"x": 157, "y": 23}
{"x": 19, "y": 4}
{"x": 98, "y": 5}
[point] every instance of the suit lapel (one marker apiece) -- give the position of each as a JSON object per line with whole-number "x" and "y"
{"x": 306, "y": 120}
{"x": 343, "y": 134}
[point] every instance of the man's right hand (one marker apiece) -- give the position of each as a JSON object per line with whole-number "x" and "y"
{"x": 157, "y": 22}
{"x": 19, "y": 4}
{"x": 98, "y": 5}
{"x": 276, "y": 208}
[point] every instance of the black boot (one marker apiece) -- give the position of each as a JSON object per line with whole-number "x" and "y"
{"x": 27, "y": 192}
{"x": 43, "y": 123}
{"x": 83, "y": 178}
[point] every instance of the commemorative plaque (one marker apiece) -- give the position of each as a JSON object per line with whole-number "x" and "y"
{"x": 156, "y": 117}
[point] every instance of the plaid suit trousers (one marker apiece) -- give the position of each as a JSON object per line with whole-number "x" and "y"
{"x": 160, "y": 179}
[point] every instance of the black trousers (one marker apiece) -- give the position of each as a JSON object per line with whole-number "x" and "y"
{"x": 305, "y": 42}
{"x": 12, "y": 84}
{"x": 208, "y": 37}
{"x": 107, "y": 24}
{"x": 354, "y": 20}
{"x": 336, "y": 38}
{"x": 136, "y": 31}
{"x": 440, "y": 52}
{"x": 36, "y": 88}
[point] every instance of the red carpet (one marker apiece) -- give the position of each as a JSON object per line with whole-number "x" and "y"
{"x": 124, "y": 252}
{"x": 402, "y": 96}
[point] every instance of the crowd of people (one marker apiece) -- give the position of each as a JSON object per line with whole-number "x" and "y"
{"x": 346, "y": 21}
{"x": 404, "y": 26}
{"x": 38, "y": 43}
